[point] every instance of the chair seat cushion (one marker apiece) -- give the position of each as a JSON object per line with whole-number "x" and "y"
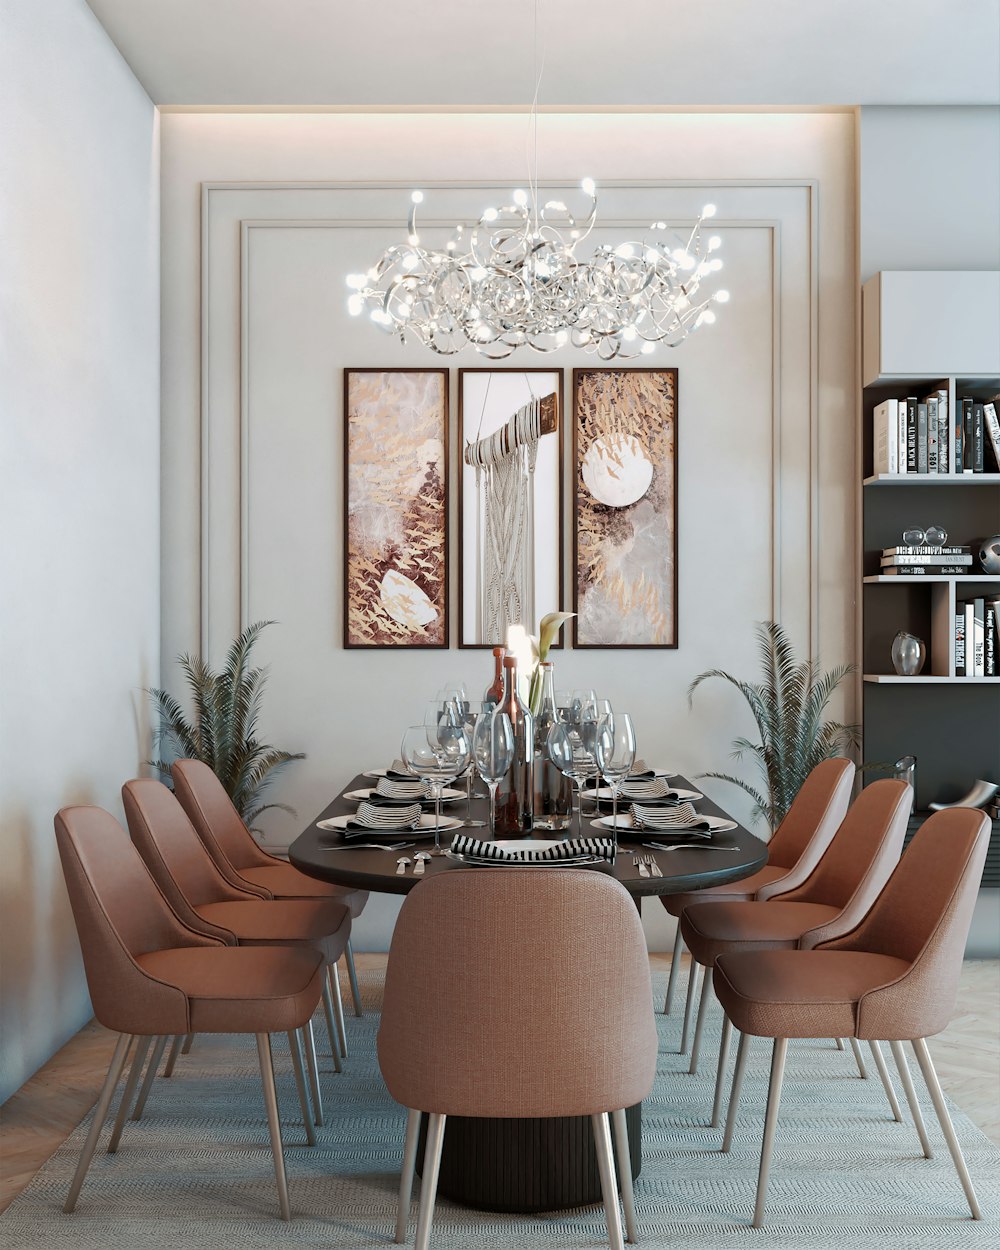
{"x": 286, "y": 881}
{"x": 715, "y": 928}
{"x": 735, "y": 891}
{"x": 784, "y": 993}
{"x": 233, "y": 989}
{"x": 321, "y": 923}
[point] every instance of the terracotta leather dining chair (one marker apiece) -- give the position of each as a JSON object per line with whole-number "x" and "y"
{"x": 206, "y": 902}
{"x": 150, "y": 975}
{"x": 793, "y": 852}
{"x": 830, "y": 902}
{"x": 243, "y": 862}
{"x": 550, "y": 962}
{"x": 893, "y": 977}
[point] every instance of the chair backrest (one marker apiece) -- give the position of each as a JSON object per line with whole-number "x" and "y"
{"x": 923, "y": 916}
{"x": 813, "y": 818}
{"x": 219, "y": 825}
{"x": 120, "y": 913}
{"x": 517, "y": 992}
{"x": 857, "y": 863}
{"x": 174, "y": 853}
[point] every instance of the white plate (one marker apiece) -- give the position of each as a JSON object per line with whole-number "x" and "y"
{"x": 718, "y": 824}
{"x": 375, "y": 773}
{"x": 685, "y": 796}
{"x": 506, "y": 863}
{"x": 339, "y": 823}
{"x": 447, "y": 796}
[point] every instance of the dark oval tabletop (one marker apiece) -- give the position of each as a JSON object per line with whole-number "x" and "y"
{"x": 325, "y": 855}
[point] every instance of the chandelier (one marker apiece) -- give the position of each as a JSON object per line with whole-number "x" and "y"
{"x": 514, "y": 280}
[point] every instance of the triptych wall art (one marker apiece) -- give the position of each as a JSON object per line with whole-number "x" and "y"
{"x": 511, "y": 462}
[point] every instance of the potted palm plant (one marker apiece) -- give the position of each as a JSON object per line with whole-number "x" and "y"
{"x": 788, "y": 706}
{"x": 222, "y": 732}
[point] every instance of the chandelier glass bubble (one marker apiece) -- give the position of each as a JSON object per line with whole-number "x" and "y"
{"x": 514, "y": 280}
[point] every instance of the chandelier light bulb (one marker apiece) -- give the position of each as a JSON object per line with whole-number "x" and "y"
{"x": 520, "y": 198}
{"x": 714, "y": 242}
{"x": 589, "y": 187}
{"x": 721, "y": 297}
{"x": 708, "y": 211}
{"x": 417, "y": 197}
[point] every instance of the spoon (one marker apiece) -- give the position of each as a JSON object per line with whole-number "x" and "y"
{"x": 402, "y": 862}
{"x": 421, "y": 858}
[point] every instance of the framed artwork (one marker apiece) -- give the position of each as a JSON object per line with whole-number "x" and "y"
{"x": 510, "y": 439}
{"x": 395, "y": 507}
{"x": 625, "y": 507}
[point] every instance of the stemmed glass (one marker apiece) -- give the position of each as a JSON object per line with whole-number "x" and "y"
{"x": 436, "y": 754}
{"x": 614, "y": 750}
{"x": 572, "y": 761}
{"x": 493, "y": 750}
{"x": 455, "y": 704}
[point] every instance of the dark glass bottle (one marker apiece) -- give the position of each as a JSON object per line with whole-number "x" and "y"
{"x": 514, "y": 794}
{"x": 553, "y": 804}
{"x": 494, "y": 692}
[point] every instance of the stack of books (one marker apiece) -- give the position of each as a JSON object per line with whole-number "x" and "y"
{"x": 914, "y": 435}
{"x": 977, "y": 638}
{"x": 925, "y": 561}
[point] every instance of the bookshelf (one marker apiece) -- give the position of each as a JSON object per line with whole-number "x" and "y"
{"x": 914, "y": 343}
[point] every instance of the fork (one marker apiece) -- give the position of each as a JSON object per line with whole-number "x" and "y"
{"x": 696, "y": 846}
{"x": 652, "y": 865}
{"x": 370, "y": 846}
{"x": 640, "y": 863}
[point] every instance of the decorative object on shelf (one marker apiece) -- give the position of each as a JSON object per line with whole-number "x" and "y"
{"x": 905, "y": 769}
{"x": 788, "y": 706}
{"x": 222, "y": 733}
{"x": 395, "y": 508}
{"x": 625, "y": 507}
{"x": 934, "y": 537}
{"x": 510, "y": 502}
{"x": 982, "y": 794}
{"x": 908, "y": 654}
{"x": 989, "y": 555}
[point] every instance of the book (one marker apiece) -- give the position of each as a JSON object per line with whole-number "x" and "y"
{"x": 962, "y": 550}
{"x": 960, "y": 641}
{"x": 992, "y": 424}
{"x": 921, "y": 438}
{"x": 944, "y": 440}
{"x": 932, "y": 433}
{"x": 958, "y": 437}
{"x": 990, "y": 640}
{"x": 885, "y": 437}
{"x": 977, "y": 437}
{"x": 923, "y": 570}
{"x": 978, "y": 638}
{"x": 901, "y": 434}
{"x": 911, "y": 433}
{"x": 966, "y": 405}
{"x": 965, "y": 560}
{"x": 969, "y": 669}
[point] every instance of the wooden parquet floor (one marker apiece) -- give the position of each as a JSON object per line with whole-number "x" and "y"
{"x": 40, "y": 1116}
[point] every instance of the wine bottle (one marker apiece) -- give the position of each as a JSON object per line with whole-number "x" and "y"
{"x": 494, "y": 692}
{"x": 553, "y": 803}
{"x": 515, "y": 792}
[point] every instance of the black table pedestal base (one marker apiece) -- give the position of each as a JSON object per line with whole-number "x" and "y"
{"x": 525, "y": 1165}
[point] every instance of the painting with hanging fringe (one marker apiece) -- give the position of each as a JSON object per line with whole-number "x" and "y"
{"x": 395, "y": 508}
{"x": 625, "y": 507}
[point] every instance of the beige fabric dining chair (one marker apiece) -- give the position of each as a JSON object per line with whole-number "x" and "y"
{"x": 893, "y": 977}
{"x": 793, "y": 852}
{"x": 150, "y": 975}
{"x": 517, "y": 993}
{"x": 243, "y": 861}
{"x": 206, "y": 902}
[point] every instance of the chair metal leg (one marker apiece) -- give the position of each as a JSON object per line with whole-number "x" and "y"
{"x": 429, "y": 1181}
{"x": 352, "y": 973}
{"x": 840, "y": 1042}
{"x": 141, "y": 1050}
{"x": 100, "y": 1112}
{"x": 742, "y": 1050}
{"x": 689, "y": 1006}
{"x": 771, "y": 1119}
{"x": 273, "y": 1121}
{"x": 406, "y": 1174}
{"x": 175, "y": 1050}
{"x": 147, "y": 1084}
{"x": 332, "y": 1031}
{"x": 624, "y": 1157}
{"x": 295, "y": 1046}
{"x": 859, "y": 1058}
{"x": 706, "y": 993}
{"x": 919, "y": 1045}
{"x": 675, "y": 963}
{"x": 602, "y": 1142}
{"x": 911, "y": 1097}
{"x": 720, "y": 1075}
{"x": 333, "y": 976}
{"x": 186, "y": 1048}
{"x": 313, "y": 1066}
{"x": 883, "y": 1072}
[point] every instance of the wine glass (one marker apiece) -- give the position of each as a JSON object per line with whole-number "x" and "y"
{"x": 457, "y": 710}
{"x": 573, "y": 761}
{"x": 436, "y": 757}
{"x": 614, "y": 751}
{"x": 590, "y": 712}
{"x": 493, "y": 750}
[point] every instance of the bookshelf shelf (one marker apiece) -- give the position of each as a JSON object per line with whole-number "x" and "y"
{"x": 933, "y": 479}
{"x": 932, "y": 577}
{"x": 893, "y": 679}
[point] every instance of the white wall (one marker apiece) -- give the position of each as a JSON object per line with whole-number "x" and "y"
{"x": 251, "y": 400}
{"x": 79, "y": 376}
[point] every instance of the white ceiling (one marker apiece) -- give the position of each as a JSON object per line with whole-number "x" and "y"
{"x": 638, "y": 53}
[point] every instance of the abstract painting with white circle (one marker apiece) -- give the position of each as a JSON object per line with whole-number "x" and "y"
{"x": 625, "y": 559}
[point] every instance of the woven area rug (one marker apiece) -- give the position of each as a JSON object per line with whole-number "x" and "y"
{"x": 196, "y": 1173}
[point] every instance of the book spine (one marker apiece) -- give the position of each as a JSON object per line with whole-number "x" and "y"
{"x": 901, "y": 433}
{"x": 970, "y": 621}
{"x": 921, "y": 438}
{"x": 967, "y": 436}
{"x": 928, "y": 559}
{"x": 992, "y": 423}
{"x": 958, "y": 425}
{"x": 911, "y": 434}
{"x": 960, "y": 641}
{"x": 944, "y": 442}
{"x": 922, "y": 570}
{"x": 932, "y": 434}
{"x": 883, "y": 450}
{"x": 977, "y": 437}
{"x": 926, "y": 551}
{"x": 990, "y": 641}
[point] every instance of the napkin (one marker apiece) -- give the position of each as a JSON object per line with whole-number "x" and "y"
{"x": 683, "y": 817}
{"x": 572, "y": 849}
{"x": 390, "y": 787}
{"x": 370, "y": 816}
{"x": 648, "y": 788}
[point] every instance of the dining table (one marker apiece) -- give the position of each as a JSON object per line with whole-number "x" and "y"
{"x": 511, "y": 1164}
